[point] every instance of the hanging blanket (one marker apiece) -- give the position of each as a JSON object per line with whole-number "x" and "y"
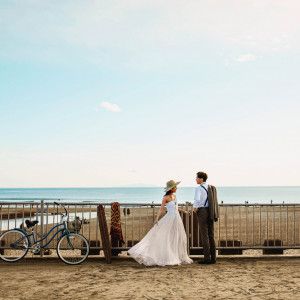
{"x": 115, "y": 227}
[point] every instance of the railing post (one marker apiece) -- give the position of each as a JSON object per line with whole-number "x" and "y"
{"x": 42, "y": 228}
{"x": 187, "y": 227}
{"x": 153, "y": 212}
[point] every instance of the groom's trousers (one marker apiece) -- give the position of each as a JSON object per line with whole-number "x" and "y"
{"x": 206, "y": 226}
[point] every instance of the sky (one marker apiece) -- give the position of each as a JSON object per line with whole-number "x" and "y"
{"x": 139, "y": 92}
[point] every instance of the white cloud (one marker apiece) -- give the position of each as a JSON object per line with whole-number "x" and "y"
{"x": 168, "y": 23}
{"x": 97, "y": 23}
{"x": 110, "y": 106}
{"x": 246, "y": 57}
{"x": 147, "y": 34}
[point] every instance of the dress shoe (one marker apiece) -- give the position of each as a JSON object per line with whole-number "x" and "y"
{"x": 204, "y": 262}
{"x": 213, "y": 261}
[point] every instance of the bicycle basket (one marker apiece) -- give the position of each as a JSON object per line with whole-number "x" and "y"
{"x": 74, "y": 223}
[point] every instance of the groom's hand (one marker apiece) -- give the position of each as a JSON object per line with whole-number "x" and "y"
{"x": 195, "y": 210}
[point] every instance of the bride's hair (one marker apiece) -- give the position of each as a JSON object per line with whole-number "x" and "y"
{"x": 168, "y": 193}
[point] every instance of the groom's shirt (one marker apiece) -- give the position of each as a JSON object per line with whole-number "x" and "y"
{"x": 200, "y": 196}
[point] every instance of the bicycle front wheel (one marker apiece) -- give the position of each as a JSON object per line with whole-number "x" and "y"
{"x": 73, "y": 250}
{"x": 13, "y": 245}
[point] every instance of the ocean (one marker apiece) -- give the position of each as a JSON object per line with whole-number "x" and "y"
{"x": 227, "y": 195}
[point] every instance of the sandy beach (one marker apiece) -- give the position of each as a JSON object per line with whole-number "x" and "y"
{"x": 231, "y": 278}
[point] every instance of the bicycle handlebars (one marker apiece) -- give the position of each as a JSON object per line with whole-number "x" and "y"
{"x": 62, "y": 206}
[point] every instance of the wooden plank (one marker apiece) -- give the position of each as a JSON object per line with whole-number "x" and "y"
{"x": 104, "y": 233}
{"x": 228, "y": 244}
{"x": 272, "y": 244}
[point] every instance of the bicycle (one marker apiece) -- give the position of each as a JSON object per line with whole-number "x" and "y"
{"x": 72, "y": 248}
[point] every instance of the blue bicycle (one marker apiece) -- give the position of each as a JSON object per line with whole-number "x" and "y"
{"x": 72, "y": 248}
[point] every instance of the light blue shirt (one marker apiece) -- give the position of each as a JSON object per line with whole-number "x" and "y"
{"x": 200, "y": 196}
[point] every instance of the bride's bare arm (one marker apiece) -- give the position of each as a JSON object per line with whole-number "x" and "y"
{"x": 183, "y": 211}
{"x": 164, "y": 201}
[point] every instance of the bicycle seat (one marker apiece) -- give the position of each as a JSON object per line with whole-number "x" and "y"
{"x": 30, "y": 224}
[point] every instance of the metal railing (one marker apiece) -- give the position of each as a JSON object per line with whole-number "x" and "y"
{"x": 241, "y": 226}
{"x": 256, "y": 226}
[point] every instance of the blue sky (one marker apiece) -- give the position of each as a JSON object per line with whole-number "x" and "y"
{"x": 118, "y": 93}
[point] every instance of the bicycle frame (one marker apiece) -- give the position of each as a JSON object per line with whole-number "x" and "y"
{"x": 60, "y": 230}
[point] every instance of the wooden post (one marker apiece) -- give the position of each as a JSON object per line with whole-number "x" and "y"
{"x": 104, "y": 233}
{"x": 42, "y": 228}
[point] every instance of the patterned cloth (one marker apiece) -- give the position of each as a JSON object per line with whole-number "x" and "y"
{"x": 115, "y": 227}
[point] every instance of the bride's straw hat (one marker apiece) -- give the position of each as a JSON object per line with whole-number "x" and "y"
{"x": 170, "y": 185}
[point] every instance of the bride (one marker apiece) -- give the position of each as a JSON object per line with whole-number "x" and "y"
{"x": 166, "y": 242}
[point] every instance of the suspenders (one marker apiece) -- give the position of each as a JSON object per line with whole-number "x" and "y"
{"x": 206, "y": 194}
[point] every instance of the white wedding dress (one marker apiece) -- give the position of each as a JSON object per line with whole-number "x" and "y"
{"x": 165, "y": 244}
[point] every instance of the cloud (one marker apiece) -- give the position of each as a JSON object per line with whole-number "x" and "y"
{"x": 145, "y": 34}
{"x": 258, "y": 24}
{"x": 246, "y": 57}
{"x": 110, "y": 106}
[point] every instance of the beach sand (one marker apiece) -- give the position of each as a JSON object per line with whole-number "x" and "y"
{"x": 231, "y": 278}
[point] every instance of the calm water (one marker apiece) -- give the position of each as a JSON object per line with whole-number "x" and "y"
{"x": 155, "y": 194}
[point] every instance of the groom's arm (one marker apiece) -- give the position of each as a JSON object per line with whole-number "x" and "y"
{"x": 196, "y": 197}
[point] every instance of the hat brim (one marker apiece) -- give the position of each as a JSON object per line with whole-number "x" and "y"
{"x": 169, "y": 188}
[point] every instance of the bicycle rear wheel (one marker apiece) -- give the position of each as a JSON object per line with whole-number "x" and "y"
{"x": 73, "y": 250}
{"x": 13, "y": 245}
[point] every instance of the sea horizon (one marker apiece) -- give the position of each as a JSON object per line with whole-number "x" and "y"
{"x": 145, "y": 186}
{"x": 235, "y": 195}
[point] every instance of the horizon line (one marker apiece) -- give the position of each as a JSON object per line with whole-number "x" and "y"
{"x": 136, "y": 187}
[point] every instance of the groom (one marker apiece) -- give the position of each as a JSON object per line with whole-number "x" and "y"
{"x": 206, "y": 207}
